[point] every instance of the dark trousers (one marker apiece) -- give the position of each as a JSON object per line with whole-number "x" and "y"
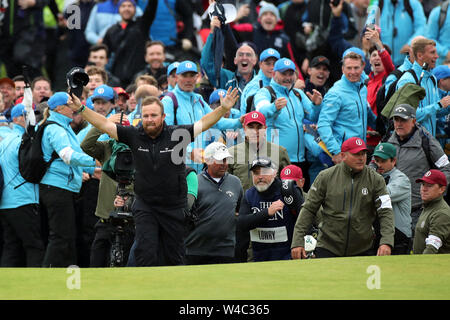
{"x": 194, "y": 259}
{"x": 23, "y": 245}
{"x": 101, "y": 246}
{"x": 160, "y": 235}
{"x": 58, "y": 204}
{"x": 401, "y": 243}
{"x": 85, "y": 205}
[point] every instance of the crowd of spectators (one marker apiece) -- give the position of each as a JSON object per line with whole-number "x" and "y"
{"x": 309, "y": 77}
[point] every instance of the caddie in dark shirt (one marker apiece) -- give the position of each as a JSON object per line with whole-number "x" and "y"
{"x": 160, "y": 181}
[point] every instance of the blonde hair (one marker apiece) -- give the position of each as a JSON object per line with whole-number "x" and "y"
{"x": 419, "y": 45}
{"x": 354, "y": 56}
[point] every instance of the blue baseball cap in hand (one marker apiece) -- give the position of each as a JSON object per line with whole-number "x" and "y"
{"x": 58, "y": 99}
{"x": 284, "y": 64}
{"x": 187, "y": 66}
{"x": 215, "y": 96}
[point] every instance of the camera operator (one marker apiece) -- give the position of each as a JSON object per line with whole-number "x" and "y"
{"x": 106, "y": 203}
{"x": 160, "y": 184}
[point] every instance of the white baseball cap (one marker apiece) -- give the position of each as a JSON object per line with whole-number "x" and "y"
{"x": 217, "y": 150}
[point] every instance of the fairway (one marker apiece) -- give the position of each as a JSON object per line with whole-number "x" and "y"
{"x": 400, "y": 277}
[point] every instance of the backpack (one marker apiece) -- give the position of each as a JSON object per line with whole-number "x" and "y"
{"x": 443, "y": 13}
{"x": 406, "y": 4}
{"x": 382, "y": 98}
{"x": 32, "y": 166}
{"x": 410, "y": 93}
{"x": 2, "y": 183}
{"x": 426, "y": 147}
{"x": 175, "y": 104}
{"x": 172, "y": 96}
{"x": 250, "y": 106}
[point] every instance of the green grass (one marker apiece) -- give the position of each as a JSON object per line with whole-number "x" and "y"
{"x": 402, "y": 277}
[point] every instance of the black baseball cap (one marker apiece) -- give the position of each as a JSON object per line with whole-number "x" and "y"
{"x": 316, "y": 61}
{"x": 262, "y": 162}
{"x": 404, "y": 111}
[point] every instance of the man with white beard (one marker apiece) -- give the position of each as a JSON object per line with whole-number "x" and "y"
{"x": 263, "y": 217}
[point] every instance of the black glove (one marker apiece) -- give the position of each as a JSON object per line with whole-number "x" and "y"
{"x": 292, "y": 195}
{"x": 190, "y": 212}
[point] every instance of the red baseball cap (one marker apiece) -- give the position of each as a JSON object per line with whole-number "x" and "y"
{"x": 254, "y": 116}
{"x": 291, "y": 172}
{"x": 353, "y": 145}
{"x": 434, "y": 176}
{"x": 120, "y": 90}
{"x": 8, "y": 81}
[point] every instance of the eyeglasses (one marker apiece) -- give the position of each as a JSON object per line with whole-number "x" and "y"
{"x": 245, "y": 54}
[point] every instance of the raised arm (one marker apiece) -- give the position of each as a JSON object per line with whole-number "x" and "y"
{"x": 210, "y": 119}
{"x": 94, "y": 118}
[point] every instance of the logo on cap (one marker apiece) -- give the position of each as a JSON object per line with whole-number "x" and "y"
{"x": 101, "y": 90}
{"x": 428, "y": 174}
{"x": 188, "y": 65}
{"x": 270, "y": 51}
{"x": 359, "y": 142}
{"x": 255, "y": 116}
{"x": 400, "y": 109}
{"x": 287, "y": 63}
{"x": 287, "y": 172}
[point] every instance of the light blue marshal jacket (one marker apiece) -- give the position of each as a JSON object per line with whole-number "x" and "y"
{"x": 397, "y": 17}
{"x": 258, "y": 82}
{"x": 428, "y": 107}
{"x": 65, "y": 174}
{"x": 287, "y": 122}
{"x": 191, "y": 108}
{"x": 345, "y": 114}
{"x": 27, "y": 193}
{"x": 440, "y": 35}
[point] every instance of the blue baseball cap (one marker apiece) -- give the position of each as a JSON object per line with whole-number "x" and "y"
{"x": 441, "y": 72}
{"x": 18, "y": 110}
{"x": 215, "y": 96}
{"x": 122, "y": 1}
{"x": 354, "y": 50}
{"x": 171, "y": 67}
{"x": 269, "y": 53}
{"x": 103, "y": 92}
{"x": 284, "y": 64}
{"x": 58, "y": 99}
{"x": 187, "y": 66}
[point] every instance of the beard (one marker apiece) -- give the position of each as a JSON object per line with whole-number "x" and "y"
{"x": 153, "y": 130}
{"x": 262, "y": 186}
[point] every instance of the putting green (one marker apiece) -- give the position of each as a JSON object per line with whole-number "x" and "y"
{"x": 399, "y": 277}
